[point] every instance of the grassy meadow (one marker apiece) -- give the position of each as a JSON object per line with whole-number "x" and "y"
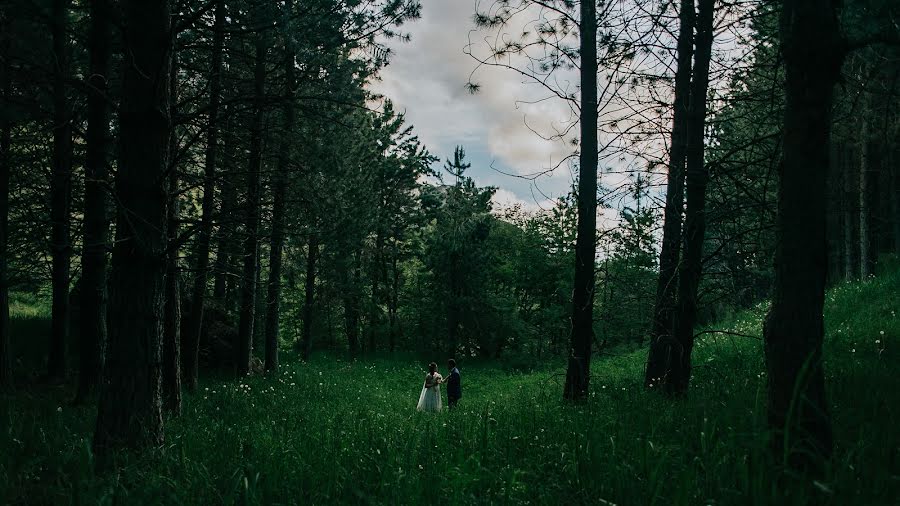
{"x": 336, "y": 431}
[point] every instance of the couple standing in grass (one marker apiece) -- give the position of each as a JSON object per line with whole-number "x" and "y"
{"x": 430, "y": 399}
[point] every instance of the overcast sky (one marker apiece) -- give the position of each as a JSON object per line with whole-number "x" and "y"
{"x": 427, "y": 78}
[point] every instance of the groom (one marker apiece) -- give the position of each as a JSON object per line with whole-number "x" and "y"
{"x": 454, "y": 388}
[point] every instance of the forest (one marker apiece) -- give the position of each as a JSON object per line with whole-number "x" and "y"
{"x": 228, "y": 256}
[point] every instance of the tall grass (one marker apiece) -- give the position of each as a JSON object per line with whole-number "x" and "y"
{"x": 332, "y": 430}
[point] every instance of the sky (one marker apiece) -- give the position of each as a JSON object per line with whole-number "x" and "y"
{"x": 427, "y": 80}
{"x": 501, "y": 126}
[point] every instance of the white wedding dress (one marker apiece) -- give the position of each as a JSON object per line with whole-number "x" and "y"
{"x": 430, "y": 398}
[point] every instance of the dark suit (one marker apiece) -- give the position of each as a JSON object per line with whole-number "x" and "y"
{"x": 454, "y": 388}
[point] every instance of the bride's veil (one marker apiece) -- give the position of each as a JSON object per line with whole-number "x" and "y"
{"x": 421, "y": 403}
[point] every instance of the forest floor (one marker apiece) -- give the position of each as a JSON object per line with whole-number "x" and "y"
{"x": 332, "y": 430}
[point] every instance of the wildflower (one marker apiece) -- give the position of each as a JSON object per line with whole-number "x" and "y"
{"x": 59, "y": 409}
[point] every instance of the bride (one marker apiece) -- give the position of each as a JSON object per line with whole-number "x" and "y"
{"x": 430, "y": 399}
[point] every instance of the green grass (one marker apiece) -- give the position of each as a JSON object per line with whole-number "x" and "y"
{"x": 337, "y": 431}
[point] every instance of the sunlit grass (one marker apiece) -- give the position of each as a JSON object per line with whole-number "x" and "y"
{"x": 338, "y": 431}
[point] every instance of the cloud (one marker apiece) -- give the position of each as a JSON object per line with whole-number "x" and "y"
{"x": 505, "y": 199}
{"x": 427, "y": 79}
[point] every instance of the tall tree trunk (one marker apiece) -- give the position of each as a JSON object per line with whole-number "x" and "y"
{"x": 130, "y": 407}
{"x": 5, "y": 170}
{"x": 251, "y": 246}
{"x": 661, "y": 334}
{"x": 171, "y": 373}
{"x": 453, "y": 309}
{"x": 794, "y": 328}
{"x": 895, "y": 197}
{"x": 582, "y": 337}
{"x": 191, "y": 348}
{"x": 675, "y": 381}
{"x": 864, "y": 235}
{"x": 351, "y": 306}
{"x": 834, "y": 229}
{"x": 96, "y": 218}
{"x": 393, "y": 303}
{"x": 309, "y": 297}
{"x": 60, "y": 193}
{"x": 375, "y": 306}
{"x": 276, "y": 245}
{"x": 848, "y": 208}
{"x": 225, "y": 235}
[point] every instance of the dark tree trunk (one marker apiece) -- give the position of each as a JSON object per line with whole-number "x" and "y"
{"x": 794, "y": 328}
{"x": 251, "y": 246}
{"x": 273, "y": 299}
{"x": 172, "y": 336}
{"x": 351, "y": 307}
{"x": 309, "y": 298}
{"x": 393, "y": 303}
{"x": 375, "y": 306}
{"x": 895, "y": 198}
{"x": 96, "y": 218}
{"x": 453, "y": 309}
{"x": 5, "y": 170}
{"x": 661, "y": 334}
{"x": 276, "y": 245}
{"x": 130, "y": 408}
{"x": 864, "y": 235}
{"x": 171, "y": 372}
{"x": 676, "y": 379}
{"x": 191, "y": 348}
{"x": 60, "y": 193}
{"x": 582, "y": 337}
{"x": 225, "y": 235}
{"x": 834, "y": 227}
{"x": 848, "y": 209}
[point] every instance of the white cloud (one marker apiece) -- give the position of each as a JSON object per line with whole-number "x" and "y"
{"x": 505, "y": 199}
{"x": 427, "y": 79}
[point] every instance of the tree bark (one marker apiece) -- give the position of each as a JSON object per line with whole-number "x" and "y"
{"x": 794, "y": 329}
{"x": 834, "y": 228}
{"x": 171, "y": 373}
{"x": 225, "y": 235}
{"x": 675, "y": 381}
{"x": 864, "y": 235}
{"x": 453, "y": 305}
{"x": 393, "y": 302}
{"x": 849, "y": 206}
{"x": 895, "y": 198}
{"x": 5, "y": 170}
{"x": 60, "y": 193}
{"x": 191, "y": 348}
{"x": 251, "y": 243}
{"x": 375, "y": 306}
{"x": 582, "y": 336}
{"x": 351, "y": 306}
{"x": 96, "y": 217}
{"x": 661, "y": 333}
{"x": 130, "y": 408}
{"x": 309, "y": 297}
{"x": 276, "y": 245}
